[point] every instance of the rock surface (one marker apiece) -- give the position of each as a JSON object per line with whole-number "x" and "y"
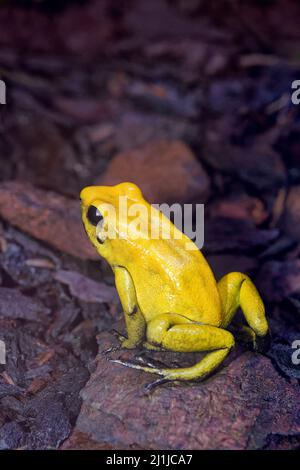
{"x": 290, "y": 220}
{"x": 245, "y": 405}
{"x": 220, "y": 84}
{"x": 87, "y": 289}
{"x": 240, "y": 207}
{"x": 166, "y": 171}
{"x": 47, "y": 216}
{"x": 259, "y": 166}
{"x": 14, "y": 305}
{"x": 279, "y": 279}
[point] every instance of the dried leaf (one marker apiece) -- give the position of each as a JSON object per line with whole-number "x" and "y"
{"x": 86, "y": 289}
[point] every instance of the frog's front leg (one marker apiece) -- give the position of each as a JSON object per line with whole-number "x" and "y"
{"x": 174, "y": 332}
{"x": 134, "y": 319}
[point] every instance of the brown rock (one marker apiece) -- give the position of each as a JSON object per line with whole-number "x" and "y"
{"x": 238, "y": 407}
{"x": 47, "y": 216}
{"x": 81, "y": 441}
{"x": 257, "y": 165}
{"x": 236, "y": 235}
{"x": 83, "y": 110}
{"x": 86, "y": 289}
{"x": 13, "y": 304}
{"x": 290, "y": 221}
{"x": 47, "y": 155}
{"x": 82, "y": 30}
{"x": 165, "y": 170}
{"x": 279, "y": 279}
{"x": 222, "y": 264}
{"x": 135, "y": 128}
{"x": 240, "y": 207}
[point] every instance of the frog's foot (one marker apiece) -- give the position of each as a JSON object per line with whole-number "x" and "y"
{"x": 186, "y": 338}
{"x": 149, "y": 387}
{"x": 151, "y": 347}
{"x": 125, "y": 344}
{"x": 248, "y": 337}
{"x": 143, "y": 360}
{"x": 152, "y": 385}
{"x": 245, "y": 335}
{"x": 118, "y": 335}
{"x": 149, "y": 367}
{"x": 110, "y": 350}
{"x": 263, "y": 343}
{"x": 141, "y": 355}
{"x": 113, "y": 349}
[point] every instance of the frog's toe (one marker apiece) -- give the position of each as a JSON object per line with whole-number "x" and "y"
{"x": 110, "y": 350}
{"x": 133, "y": 365}
{"x": 263, "y": 343}
{"x": 142, "y": 360}
{"x": 151, "y": 347}
{"x": 118, "y": 335}
{"x": 152, "y": 385}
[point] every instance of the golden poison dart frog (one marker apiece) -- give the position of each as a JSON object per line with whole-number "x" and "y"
{"x": 169, "y": 295}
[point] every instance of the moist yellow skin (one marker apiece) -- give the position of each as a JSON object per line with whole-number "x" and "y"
{"x": 169, "y": 295}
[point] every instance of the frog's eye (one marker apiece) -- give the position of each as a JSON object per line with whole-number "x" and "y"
{"x": 94, "y": 216}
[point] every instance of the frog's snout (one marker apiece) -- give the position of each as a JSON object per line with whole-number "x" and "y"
{"x": 85, "y": 195}
{"x": 90, "y": 194}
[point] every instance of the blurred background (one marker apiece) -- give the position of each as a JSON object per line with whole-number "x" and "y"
{"x": 191, "y": 100}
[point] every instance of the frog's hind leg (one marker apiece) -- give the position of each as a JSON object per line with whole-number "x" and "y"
{"x": 237, "y": 290}
{"x": 174, "y": 333}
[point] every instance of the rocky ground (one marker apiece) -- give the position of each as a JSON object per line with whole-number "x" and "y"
{"x": 192, "y": 102}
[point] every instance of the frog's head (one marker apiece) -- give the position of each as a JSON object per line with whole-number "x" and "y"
{"x": 101, "y": 207}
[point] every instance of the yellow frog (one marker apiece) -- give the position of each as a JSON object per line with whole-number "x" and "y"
{"x": 169, "y": 295}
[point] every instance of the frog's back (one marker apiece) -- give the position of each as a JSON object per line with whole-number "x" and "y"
{"x": 178, "y": 281}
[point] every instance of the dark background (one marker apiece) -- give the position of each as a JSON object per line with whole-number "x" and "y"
{"x": 192, "y": 101}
